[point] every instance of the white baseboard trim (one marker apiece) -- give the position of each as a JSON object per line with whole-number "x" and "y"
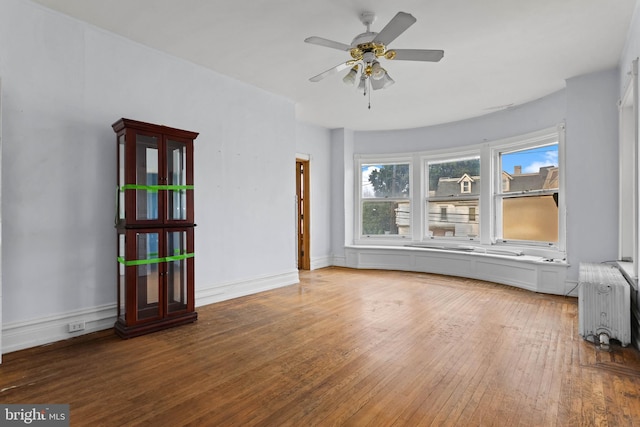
{"x": 321, "y": 262}
{"x": 339, "y": 261}
{"x": 20, "y": 335}
{"x": 235, "y": 289}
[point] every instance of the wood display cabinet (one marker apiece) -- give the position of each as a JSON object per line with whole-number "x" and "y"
{"x": 155, "y": 227}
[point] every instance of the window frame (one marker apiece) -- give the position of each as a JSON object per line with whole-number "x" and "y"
{"x": 383, "y": 239}
{"x": 467, "y": 153}
{"x": 465, "y": 186}
{"x": 538, "y": 139}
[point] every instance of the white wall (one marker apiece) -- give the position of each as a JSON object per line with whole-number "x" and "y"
{"x": 533, "y": 116}
{"x": 592, "y": 168}
{"x": 64, "y": 84}
{"x": 342, "y": 192}
{"x": 315, "y": 142}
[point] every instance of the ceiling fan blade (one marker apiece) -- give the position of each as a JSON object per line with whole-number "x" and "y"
{"x": 334, "y": 70}
{"x": 394, "y": 28}
{"x": 418, "y": 55}
{"x": 327, "y": 43}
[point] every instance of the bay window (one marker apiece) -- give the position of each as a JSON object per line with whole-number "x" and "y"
{"x": 506, "y": 192}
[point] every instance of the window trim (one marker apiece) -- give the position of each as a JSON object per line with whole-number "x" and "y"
{"x": 390, "y": 239}
{"x": 550, "y": 136}
{"x": 446, "y": 156}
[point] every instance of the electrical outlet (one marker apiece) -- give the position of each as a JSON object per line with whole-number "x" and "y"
{"x": 76, "y": 326}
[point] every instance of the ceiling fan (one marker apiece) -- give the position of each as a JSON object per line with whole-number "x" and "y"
{"x": 368, "y": 47}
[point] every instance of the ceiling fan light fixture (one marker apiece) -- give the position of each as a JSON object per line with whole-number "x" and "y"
{"x": 350, "y": 78}
{"x": 362, "y": 86}
{"x": 377, "y": 72}
{"x": 387, "y": 81}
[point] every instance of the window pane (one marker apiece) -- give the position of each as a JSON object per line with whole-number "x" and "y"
{"x": 454, "y": 177}
{"x": 386, "y": 218}
{"x": 530, "y": 218}
{"x": 385, "y": 181}
{"x": 532, "y": 169}
{"x": 458, "y": 218}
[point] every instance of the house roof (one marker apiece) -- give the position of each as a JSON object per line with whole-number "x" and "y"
{"x": 451, "y": 186}
{"x": 545, "y": 178}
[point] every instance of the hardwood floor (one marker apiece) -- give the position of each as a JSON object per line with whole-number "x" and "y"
{"x": 345, "y": 347}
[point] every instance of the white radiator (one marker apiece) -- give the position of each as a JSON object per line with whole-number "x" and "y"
{"x": 604, "y": 309}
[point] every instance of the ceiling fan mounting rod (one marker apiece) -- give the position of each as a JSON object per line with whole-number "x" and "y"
{"x": 367, "y": 18}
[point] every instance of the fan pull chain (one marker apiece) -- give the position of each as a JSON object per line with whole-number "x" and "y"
{"x": 367, "y": 89}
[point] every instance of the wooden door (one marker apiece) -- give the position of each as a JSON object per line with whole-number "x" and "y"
{"x": 302, "y": 214}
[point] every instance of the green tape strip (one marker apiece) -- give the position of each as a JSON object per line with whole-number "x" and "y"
{"x": 154, "y": 188}
{"x": 179, "y": 257}
{"x": 154, "y": 260}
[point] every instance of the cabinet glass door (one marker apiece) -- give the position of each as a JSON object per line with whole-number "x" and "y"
{"x": 146, "y": 176}
{"x": 148, "y": 276}
{"x": 122, "y": 278}
{"x": 121, "y": 177}
{"x": 177, "y": 271}
{"x": 176, "y": 180}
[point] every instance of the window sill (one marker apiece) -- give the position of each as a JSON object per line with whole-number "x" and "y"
{"x": 524, "y": 253}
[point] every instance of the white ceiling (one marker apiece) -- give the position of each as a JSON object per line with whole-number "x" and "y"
{"x": 498, "y": 53}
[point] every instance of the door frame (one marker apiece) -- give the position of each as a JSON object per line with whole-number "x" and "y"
{"x": 303, "y": 217}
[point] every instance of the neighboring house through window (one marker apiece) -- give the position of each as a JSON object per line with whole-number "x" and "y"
{"x": 452, "y": 191}
{"x": 527, "y": 206}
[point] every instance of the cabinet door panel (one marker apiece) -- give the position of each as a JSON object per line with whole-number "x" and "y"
{"x": 179, "y": 269}
{"x": 178, "y": 162}
{"x": 148, "y": 277}
{"x": 147, "y": 161}
{"x": 122, "y": 277}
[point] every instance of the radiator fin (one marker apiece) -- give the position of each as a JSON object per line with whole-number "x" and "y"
{"x": 603, "y": 303}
